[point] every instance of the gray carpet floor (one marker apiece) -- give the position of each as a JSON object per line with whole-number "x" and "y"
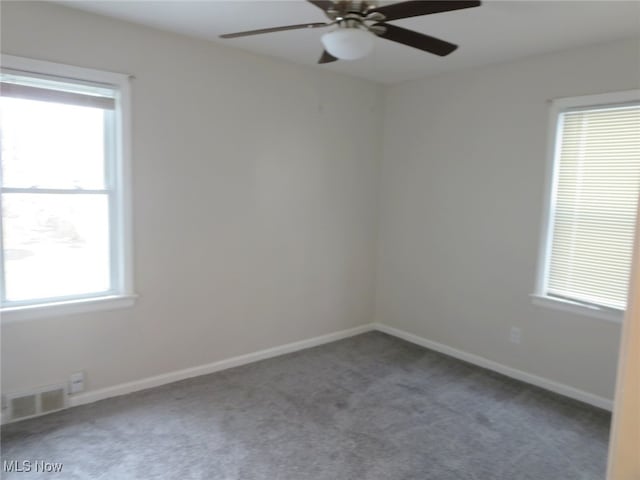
{"x": 371, "y": 407}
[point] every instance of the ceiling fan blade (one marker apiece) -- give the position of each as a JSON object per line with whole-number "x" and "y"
{"x": 322, "y": 4}
{"x": 416, "y": 8}
{"x": 417, "y": 40}
{"x": 327, "y": 58}
{"x": 274, "y": 29}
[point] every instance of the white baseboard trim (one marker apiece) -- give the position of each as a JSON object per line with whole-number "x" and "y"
{"x": 156, "y": 381}
{"x": 541, "y": 382}
{"x": 163, "y": 379}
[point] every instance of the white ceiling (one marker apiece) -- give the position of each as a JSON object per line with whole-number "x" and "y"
{"x": 494, "y": 32}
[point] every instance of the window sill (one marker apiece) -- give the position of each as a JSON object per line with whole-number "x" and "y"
{"x": 56, "y": 309}
{"x": 578, "y": 308}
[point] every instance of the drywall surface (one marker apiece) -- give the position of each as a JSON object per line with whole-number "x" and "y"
{"x": 624, "y": 463}
{"x": 256, "y": 207}
{"x": 254, "y": 185}
{"x": 462, "y": 187}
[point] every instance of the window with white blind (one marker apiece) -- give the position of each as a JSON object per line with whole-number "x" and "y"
{"x": 594, "y": 187}
{"x": 64, "y": 189}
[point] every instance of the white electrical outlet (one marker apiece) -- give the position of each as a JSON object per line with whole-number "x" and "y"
{"x": 76, "y": 382}
{"x": 516, "y": 335}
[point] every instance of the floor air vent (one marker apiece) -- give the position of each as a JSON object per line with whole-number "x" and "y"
{"x": 45, "y": 400}
{"x": 23, "y": 406}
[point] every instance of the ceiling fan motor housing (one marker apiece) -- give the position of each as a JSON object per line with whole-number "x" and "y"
{"x": 342, "y": 8}
{"x": 358, "y": 21}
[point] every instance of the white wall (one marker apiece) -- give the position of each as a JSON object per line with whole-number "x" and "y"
{"x": 624, "y": 462}
{"x": 256, "y": 212}
{"x": 254, "y": 203}
{"x": 461, "y": 204}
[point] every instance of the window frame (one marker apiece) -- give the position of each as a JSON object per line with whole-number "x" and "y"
{"x": 559, "y": 106}
{"x": 117, "y": 187}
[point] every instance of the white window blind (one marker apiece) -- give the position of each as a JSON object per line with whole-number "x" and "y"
{"x": 593, "y": 210}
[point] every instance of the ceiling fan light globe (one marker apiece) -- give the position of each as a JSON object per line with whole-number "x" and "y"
{"x": 348, "y": 43}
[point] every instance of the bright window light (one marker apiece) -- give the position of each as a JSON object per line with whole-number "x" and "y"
{"x": 46, "y": 144}
{"x": 62, "y": 230}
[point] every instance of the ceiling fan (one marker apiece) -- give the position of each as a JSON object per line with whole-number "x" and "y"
{"x": 359, "y": 22}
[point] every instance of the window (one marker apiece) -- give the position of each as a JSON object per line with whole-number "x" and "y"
{"x": 64, "y": 194}
{"x": 593, "y": 198}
